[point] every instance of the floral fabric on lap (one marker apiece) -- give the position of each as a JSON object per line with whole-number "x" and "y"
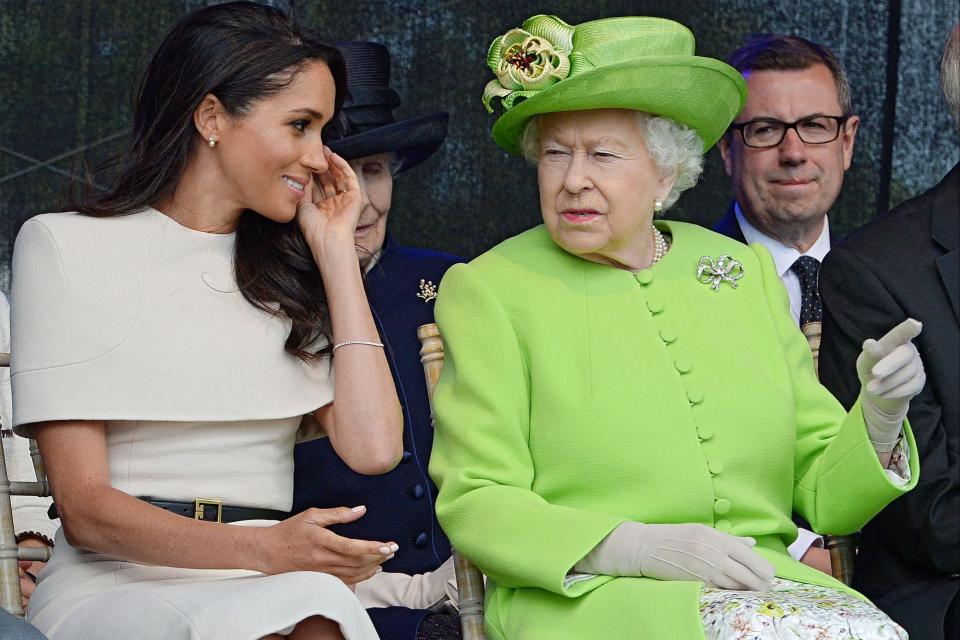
{"x": 796, "y": 611}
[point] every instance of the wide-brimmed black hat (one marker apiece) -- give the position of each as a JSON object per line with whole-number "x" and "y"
{"x": 366, "y": 125}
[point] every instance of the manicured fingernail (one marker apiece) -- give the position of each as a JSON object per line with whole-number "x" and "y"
{"x": 385, "y": 550}
{"x": 359, "y": 509}
{"x": 390, "y": 557}
{"x": 394, "y": 547}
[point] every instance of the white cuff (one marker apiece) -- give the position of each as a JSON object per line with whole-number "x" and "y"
{"x": 805, "y": 540}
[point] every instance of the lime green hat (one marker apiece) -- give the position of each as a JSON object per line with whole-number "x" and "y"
{"x": 638, "y": 63}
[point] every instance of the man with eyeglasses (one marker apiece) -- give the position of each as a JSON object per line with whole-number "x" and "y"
{"x": 786, "y": 154}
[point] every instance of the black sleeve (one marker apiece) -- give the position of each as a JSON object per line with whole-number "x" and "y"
{"x": 923, "y": 525}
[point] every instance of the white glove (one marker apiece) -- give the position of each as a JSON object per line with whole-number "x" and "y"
{"x": 891, "y": 373}
{"x": 419, "y": 591}
{"x": 680, "y": 552}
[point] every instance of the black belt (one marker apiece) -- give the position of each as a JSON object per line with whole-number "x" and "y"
{"x": 208, "y": 510}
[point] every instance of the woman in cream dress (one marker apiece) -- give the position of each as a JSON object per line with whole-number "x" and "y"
{"x": 169, "y": 336}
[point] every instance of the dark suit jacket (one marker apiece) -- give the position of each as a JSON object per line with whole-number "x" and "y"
{"x": 728, "y": 225}
{"x": 906, "y": 264}
{"x": 400, "y": 504}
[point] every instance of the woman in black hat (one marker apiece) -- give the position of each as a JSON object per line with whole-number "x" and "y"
{"x": 401, "y": 284}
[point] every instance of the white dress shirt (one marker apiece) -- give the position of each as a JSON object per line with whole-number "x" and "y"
{"x": 784, "y": 256}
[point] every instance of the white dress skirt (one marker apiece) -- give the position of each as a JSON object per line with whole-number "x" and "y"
{"x": 138, "y": 321}
{"x": 85, "y": 596}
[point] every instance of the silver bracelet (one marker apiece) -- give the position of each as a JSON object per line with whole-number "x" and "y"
{"x": 346, "y": 342}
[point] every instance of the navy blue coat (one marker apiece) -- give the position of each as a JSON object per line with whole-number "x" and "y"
{"x": 400, "y": 504}
{"x": 728, "y": 225}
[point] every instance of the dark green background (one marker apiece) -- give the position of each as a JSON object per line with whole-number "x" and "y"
{"x": 67, "y": 71}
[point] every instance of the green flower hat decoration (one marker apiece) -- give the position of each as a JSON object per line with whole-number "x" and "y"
{"x": 529, "y": 59}
{"x": 640, "y": 63}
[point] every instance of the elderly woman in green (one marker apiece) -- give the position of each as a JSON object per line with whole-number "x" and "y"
{"x": 628, "y": 415}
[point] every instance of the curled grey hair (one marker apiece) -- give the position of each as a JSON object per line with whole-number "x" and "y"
{"x": 950, "y": 75}
{"x": 675, "y": 148}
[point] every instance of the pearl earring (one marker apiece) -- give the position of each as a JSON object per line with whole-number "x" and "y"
{"x": 657, "y": 206}
{"x": 212, "y": 142}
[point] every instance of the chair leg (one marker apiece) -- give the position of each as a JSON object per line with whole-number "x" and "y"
{"x": 842, "y": 554}
{"x": 9, "y": 568}
{"x": 470, "y": 591}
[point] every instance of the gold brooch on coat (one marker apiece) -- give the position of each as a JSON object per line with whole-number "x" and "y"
{"x": 716, "y": 272}
{"x": 428, "y": 290}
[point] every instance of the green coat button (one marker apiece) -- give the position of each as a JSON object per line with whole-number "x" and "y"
{"x": 721, "y": 506}
{"x": 715, "y": 467}
{"x": 654, "y": 306}
{"x": 722, "y": 525}
{"x": 695, "y": 396}
{"x": 704, "y": 432}
{"x": 668, "y": 335}
{"x": 683, "y": 365}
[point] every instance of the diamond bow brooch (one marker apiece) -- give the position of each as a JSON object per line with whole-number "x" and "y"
{"x": 716, "y": 272}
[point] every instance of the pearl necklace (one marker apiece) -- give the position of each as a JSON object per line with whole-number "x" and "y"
{"x": 659, "y": 246}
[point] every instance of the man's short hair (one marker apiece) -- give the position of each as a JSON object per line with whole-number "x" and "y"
{"x": 766, "y": 52}
{"x": 950, "y": 75}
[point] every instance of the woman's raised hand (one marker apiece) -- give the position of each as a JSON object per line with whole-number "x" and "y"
{"x": 891, "y": 374}
{"x": 303, "y": 543}
{"x": 330, "y": 209}
{"x": 680, "y": 552}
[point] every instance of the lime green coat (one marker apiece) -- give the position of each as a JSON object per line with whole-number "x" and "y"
{"x": 576, "y": 396}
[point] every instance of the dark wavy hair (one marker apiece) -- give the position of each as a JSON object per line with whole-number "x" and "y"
{"x": 239, "y": 52}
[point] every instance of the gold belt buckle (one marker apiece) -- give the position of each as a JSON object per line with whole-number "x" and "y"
{"x": 199, "y": 505}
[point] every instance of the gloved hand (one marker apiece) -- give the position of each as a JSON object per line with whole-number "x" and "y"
{"x": 419, "y": 591}
{"x": 680, "y": 552}
{"x": 891, "y": 373}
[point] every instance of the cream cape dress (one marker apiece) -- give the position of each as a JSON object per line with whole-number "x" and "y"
{"x": 137, "y": 321}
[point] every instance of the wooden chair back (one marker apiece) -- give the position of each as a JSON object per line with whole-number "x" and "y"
{"x": 812, "y": 331}
{"x": 10, "y": 553}
{"x": 469, "y": 578}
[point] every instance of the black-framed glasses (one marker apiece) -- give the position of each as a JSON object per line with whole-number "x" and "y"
{"x": 764, "y": 133}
